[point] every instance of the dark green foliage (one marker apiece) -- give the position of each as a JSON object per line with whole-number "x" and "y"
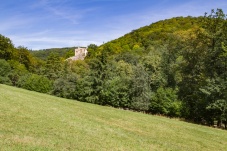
{"x": 95, "y": 79}
{"x": 53, "y": 67}
{"x": 116, "y": 87}
{"x": 140, "y": 92}
{"x": 215, "y": 25}
{"x": 219, "y": 111}
{"x": 65, "y": 86}
{"x": 17, "y": 70}
{"x": 35, "y": 82}
{"x": 4, "y": 72}
{"x": 115, "y": 92}
{"x": 165, "y": 102}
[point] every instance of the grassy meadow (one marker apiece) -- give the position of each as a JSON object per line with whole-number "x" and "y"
{"x": 34, "y": 121}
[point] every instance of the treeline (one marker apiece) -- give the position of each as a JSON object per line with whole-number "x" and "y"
{"x": 175, "y": 68}
{"x": 61, "y": 52}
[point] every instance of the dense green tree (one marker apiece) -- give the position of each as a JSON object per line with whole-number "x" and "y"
{"x": 92, "y": 50}
{"x": 72, "y": 84}
{"x": 53, "y": 67}
{"x": 165, "y": 101}
{"x": 65, "y": 86}
{"x": 140, "y": 92}
{"x": 35, "y": 82}
{"x": 192, "y": 71}
{"x": 61, "y": 52}
{"x": 24, "y": 57}
{"x": 116, "y": 87}
{"x": 95, "y": 79}
{"x": 219, "y": 111}
{"x": 7, "y": 50}
{"x": 152, "y": 64}
{"x": 213, "y": 91}
{"x": 84, "y": 90}
{"x": 214, "y": 36}
{"x": 17, "y": 70}
{"x": 5, "y": 70}
{"x": 69, "y": 54}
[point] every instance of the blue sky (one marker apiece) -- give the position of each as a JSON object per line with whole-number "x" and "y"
{"x": 40, "y": 24}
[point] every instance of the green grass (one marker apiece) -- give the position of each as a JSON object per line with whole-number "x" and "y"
{"x": 34, "y": 121}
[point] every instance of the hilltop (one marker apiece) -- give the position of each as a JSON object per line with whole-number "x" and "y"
{"x": 35, "y": 121}
{"x": 61, "y": 52}
{"x": 155, "y": 34}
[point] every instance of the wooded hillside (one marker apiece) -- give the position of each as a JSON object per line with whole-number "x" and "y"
{"x": 175, "y": 67}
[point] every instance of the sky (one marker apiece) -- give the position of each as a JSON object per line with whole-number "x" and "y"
{"x": 42, "y": 24}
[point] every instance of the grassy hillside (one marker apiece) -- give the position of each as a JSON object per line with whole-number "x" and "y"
{"x": 34, "y": 121}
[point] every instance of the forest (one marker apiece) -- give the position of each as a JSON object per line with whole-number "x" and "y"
{"x": 174, "y": 67}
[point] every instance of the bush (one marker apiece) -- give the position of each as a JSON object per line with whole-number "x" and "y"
{"x": 35, "y": 82}
{"x": 165, "y": 102}
{"x": 4, "y": 72}
{"x": 65, "y": 86}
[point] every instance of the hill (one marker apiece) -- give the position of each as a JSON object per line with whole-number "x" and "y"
{"x": 34, "y": 121}
{"x": 61, "y": 52}
{"x": 155, "y": 34}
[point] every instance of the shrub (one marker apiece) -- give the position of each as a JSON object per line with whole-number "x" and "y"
{"x": 4, "y": 72}
{"x": 35, "y": 82}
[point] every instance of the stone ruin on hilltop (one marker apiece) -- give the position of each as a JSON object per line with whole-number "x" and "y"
{"x": 80, "y": 54}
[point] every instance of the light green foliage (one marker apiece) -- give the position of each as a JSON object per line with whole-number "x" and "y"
{"x": 24, "y": 57}
{"x": 61, "y": 52}
{"x": 92, "y": 48}
{"x": 69, "y": 54}
{"x": 152, "y": 63}
{"x": 7, "y": 50}
{"x": 80, "y": 67}
{"x": 146, "y": 36}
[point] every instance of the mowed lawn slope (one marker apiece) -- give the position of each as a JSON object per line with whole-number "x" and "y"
{"x": 34, "y": 121}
